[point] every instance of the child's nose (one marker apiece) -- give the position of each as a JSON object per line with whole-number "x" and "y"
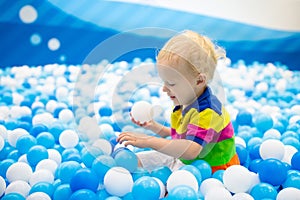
{"x": 165, "y": 88}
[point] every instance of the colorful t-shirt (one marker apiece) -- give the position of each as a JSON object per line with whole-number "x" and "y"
{"x": 206, "y": 122}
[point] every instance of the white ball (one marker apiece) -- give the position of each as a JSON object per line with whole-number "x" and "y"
{"x": 242, "y": 196}
{"x": 142, "y": 111}
{"x": 68, "y": 139}
{"x": 210, "y": 183}
{"x": 47, "y": 164}
{"x": 182, "y": 177}
{"x": 38, "y": 196}
{"x": 54, "y": 155}
{"x": 2, "y": 186}
{"x": 218, "y": 194}
{"x": 289, "y": 193}
{"x": 66, "y": 116}
{"x": 42, "y": 175}
{"x": 271, "y": 148}
{"x": 122, "y": 186}
{"x": 104, "y": 145}
{"x": 14, "y": 135}
{"x": 20, "y": 187}
{"x": 289, "y": 151}
{"x": 1, "y": 142}
{"x": 18, "y": 171}
{"x": 237, "y": 178}
{"x": 240, "y": 141}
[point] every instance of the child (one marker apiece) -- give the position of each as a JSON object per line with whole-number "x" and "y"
{"x": 200, "y": 125}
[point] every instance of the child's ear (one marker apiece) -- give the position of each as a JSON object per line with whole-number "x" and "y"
{"x": 201, "y": 79}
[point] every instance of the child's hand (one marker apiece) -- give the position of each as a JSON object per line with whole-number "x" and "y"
{"x": 135, "y": 139}
{"x": 147, "y": 125}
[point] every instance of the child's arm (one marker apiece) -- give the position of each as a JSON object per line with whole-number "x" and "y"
{"x": 182, "y": 148}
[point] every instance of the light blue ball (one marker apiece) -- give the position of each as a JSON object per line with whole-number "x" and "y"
{"x": 13, "y": 196}
{"x": 204, "y": 168}
{"x": 263, "y": 191}
{"x": 35, "y": 154}
{"x": 84, "y": 179}
{"x": 182, "y": 192}
{"x": 102, "y": 164}
{"x": 162, "y": 173}
{"x": 25, "y": 142}
{"x": 46, "y": 139}
{"x": 62, "y": 192}
{"x": 194, "y": 170}
{"x": 83, "y": 194}
{"x": 126, "y": 158}
{"x": 146, "y": 188}
{"x": 88, "y": 155}
{"x": 66, "y": 171}
{"x": 45, "y": 187}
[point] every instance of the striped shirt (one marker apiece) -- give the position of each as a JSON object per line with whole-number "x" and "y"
{"x": 207, "y": 123}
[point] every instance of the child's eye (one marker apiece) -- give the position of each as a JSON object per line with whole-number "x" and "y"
{"x": 170, "y": 84}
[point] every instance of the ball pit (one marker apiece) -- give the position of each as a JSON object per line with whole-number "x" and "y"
{"x": 58, "y": 129}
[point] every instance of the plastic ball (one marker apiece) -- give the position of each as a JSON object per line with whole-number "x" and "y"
{"x": 161, "y": 186}
{"x": 295, "y": 162}
{"x": 146, "y": 188}
{"x": 140, "y": 172}
{"x": 4, "y": 165}
{"x": 35, "y": 154}
{"x": 210, "y": 183}
{"x": 242, "y": 196}
{"x": 176, "y": 178}
{"x": 14, "y": 135}
{"x": 104, "y": 145}
{"x": 218, "y": 194}
{"x": 269, "y": 167}
{"x": 232, "y": 179}
{"x": 102, "y": 164}
{"x": 293, "y": 180}
{"x": 289, "y": 151}
{"x": 2, "y": 186}
{"x": 41, "y": 175}
{"x": 162, "y": 173}
{"x": 288, "y": 193}
{"x": 89, "y": 154}
{"x": 83, "y": 194}
{"x": 84, "y": 179}
{"x": 204, "y": 168}
{"x": 126, "y": 158}
{"x": 20, "y": 187}
{"x": 122, "y": 186}
{"x": 66, "y": 171}
{"x": 194, "y": 170}
{"x": 46, "y": 139}
{"x": 66, "y": 116}
{"x": 54, "y": 155}
{"x": 62, "y": 192}
{"x": 244, "y": 118}
{"x": 105, "y": 111}
{"x": 182, "y": 192}
{"x": 38, "y": 196}
{"x": 141, "y": 111}
{"x": 263, "y": 122}
{"x": 271, "y": 148}
{"x": 25, "y": 142}
{"x": 47, "y": 164}
{"x": 19, "y": 171}
{"x": 242, "y": 153}
{"x": 68, "y": 139}
{"x": 263, "y": 191}
{"x": 13, "y": 196}
{"x": 44, "y": 187}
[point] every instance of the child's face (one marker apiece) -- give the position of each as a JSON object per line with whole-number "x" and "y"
{"x": 180, "y": 81}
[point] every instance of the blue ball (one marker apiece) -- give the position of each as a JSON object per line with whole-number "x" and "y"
{"x": 263, "y": 122}
{"x": 102, "y": 164}
{"x": 139, "y": 172}
{"x": 162, "y": 173}
{"x": 254, "y": 152}
{"x": 83, "y": 194}
{"x": 84, "y": 179}
{"x": 254, "y": 165}
{"x": 194, "y": 170}
{"x": 182, "y": 192}
{"x": 295, "y": 162}
{"x": 218, "y": 175}
{"x": 272, "y": 171}
{"x": 13, "y": 196}
{"x": 204, "y": 168}
{"x": 35, "y": 154}
{"x": 146, "y": 188}
{"x": 62, "y": 192}
{"x": 66, "y": 171}
{"x": 89, "y": 154}
{"x": 45, "y": 187}
{"x": 263, "y": 191}
{"x": 102, "y": 194}
{"x": 105, "y": 111}
{"x": 37, "y": 129}
{"x": 293, "y": 180}
{"x": 4, "y": 165}
{"x": 126, "y": 158}
{"x": 293, "y": 141}
{"x": 68, "y": 153}
{"x": 242, "y": 153}
{"x": 46, "y": 139}
{"x": 244, "y": 118}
